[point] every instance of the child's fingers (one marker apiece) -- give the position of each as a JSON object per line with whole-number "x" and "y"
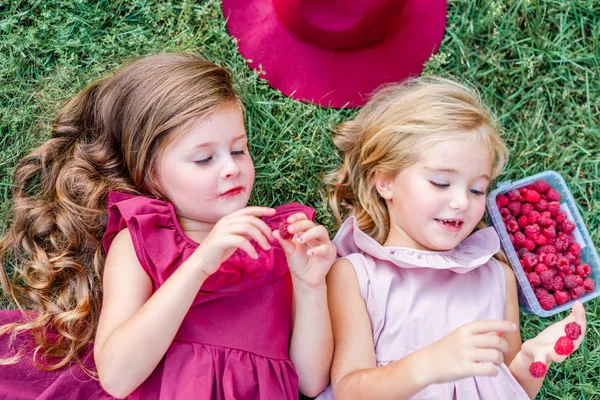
{"x": 244, "y": 244}
{"x": 299, "y": 227}
{"x": 287, "y": 246}
{"x": 257, "y": 211}
{"x": 579, "y": 314}
{"x": 314, "y": 236}
{"x": 252, "y": 231}
{"x": 484, "y": 369}
{"x": 325, "y": 250}
{"x": 296, "y": 217}
{"x": 488, "y": 355}
{"x": 242, "y": 223}
{"x": 491, "y": 341}
{"x": 478, "y": 327}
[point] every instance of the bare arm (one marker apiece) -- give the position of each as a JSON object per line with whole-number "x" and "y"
{"x": 311, "y": 345}
{"x": 354, "y": 373}
{"x": 137, "y": 327}
{"x": 309, "y": 260}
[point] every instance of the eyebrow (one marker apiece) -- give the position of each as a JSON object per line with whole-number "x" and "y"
{"x": 453, "y": 171}
{"x": 210, "y": 144}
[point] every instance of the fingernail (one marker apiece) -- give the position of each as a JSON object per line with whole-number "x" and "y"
{"x": 300, "y": 239}
{"x": 310, "y": 253}
{"x": 514, "y": 327}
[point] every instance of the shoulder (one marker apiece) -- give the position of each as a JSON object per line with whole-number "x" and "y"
{"x": 508, "y": 272}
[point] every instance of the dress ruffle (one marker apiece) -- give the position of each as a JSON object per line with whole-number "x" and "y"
{"x": 161, "y": 245}
{"x": 476, "y": 250}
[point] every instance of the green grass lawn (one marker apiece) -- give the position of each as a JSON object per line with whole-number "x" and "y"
{"x": 536, "y": 63}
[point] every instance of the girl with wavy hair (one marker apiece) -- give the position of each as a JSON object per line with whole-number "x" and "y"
{"x": 131, "y": 234}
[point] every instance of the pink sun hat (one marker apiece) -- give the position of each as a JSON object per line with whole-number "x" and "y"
{"x": 335, "y": 52}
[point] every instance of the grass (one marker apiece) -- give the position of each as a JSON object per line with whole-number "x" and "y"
{"x": 536, "y": 63}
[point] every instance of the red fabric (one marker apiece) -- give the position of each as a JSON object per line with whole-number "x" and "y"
{"x": 333, "y": 52}
{"x": 233, "y": 343}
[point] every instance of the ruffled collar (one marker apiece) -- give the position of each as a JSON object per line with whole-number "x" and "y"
{"x": 476, "y": 250}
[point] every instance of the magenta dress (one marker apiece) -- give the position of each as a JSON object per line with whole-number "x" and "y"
{"x": 234, "y": 341}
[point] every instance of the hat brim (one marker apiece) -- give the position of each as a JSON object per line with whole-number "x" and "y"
{"x": 334, "y": 78}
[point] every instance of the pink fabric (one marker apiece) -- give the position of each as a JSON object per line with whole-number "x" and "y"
{"x": 232, "y": 344}
{"x": 415, "y": 298}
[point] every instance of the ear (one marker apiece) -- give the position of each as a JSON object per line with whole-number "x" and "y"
{"x": 384, "y": 185}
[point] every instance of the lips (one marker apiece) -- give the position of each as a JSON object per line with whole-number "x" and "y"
{"x": 452, "y": 225}
{"x": 233, "y": 191}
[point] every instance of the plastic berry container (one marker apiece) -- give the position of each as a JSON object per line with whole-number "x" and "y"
{"x": 527, "y": 299}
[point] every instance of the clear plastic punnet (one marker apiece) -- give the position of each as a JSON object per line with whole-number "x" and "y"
{"x": 527, "y": 299}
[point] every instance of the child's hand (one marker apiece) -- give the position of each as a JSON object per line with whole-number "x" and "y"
{"x": 473, "y": 349}
{"x": 541, "y": 347}
{"x": 310, "y": 252}
{"x": 234, "y": 231}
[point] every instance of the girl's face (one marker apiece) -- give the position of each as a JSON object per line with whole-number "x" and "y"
{"x": 208, "y": 172}
{"x": 435, "y": 203}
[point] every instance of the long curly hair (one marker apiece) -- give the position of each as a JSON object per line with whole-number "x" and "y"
{"x": 108, "y": 137}
{"x": 397, "y": 124}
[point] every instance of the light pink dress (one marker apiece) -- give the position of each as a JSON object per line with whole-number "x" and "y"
{"x": 416, "y": 297}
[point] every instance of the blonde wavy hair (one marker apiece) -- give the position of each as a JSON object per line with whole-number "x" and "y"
{"x": 108, "y": 137}
{"x": 398, "y": 123}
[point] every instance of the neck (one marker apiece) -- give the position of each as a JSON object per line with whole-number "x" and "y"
{"x": 195, "y": 230}
{"x": 398, "y": 238}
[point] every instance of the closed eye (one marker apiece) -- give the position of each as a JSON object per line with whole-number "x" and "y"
{"x": 477, "y": 192}
{"x": 204, "y": 161}
{"x": 439, "y": 185}
{"x": 238, "y": 153}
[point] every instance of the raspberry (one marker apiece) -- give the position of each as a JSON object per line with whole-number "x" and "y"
{"x": 549, "y": 259}
{"x": 549, "y": 232}
{"x": 559, "y": 284}
{"x": 553, "y": 207}
{"x": 584, "y": 270}
{"x": 534, "y": 279}
{"x": 570, "y": 257}
{"x": 564, "y": 346}
{"x": 573, "y": 330}
{"x": 562, "y": 262}
{"x": 284, "y": 232}
{"x": 530, "y": 259}
{"x": 512, "y": 225}
{"x": 523, "y": 221}
{"x": 532, "y": 196}
{"x": 541, "y": 240}
{"x": 505, "y": 213}
{"x": 514, "y": 207}
{"x": 547, "y": 280}
{"x": 561, "y": 297}
{"x": 552, "y": 195}
{"x": 545, "y": 219}
{"x": 547, "y": 301}
{"x": 541, "y": 205}
{"x": 575, "y": 249}
{"x": 577, "y": 292}
{"x": 522, "y": 251}
{"x": 502, "y": 200}
{"x": 546, "y": 250}
{"x": 570, "y": 281}
{"x": 526, "y": 208}
{"x": 567, "y": 226}
{"x": 523, "y": 191}
{"x": 561, "y": 217}
{"x": 537, "y": 369}
{"x": 541, "y": 186}
{"x": 520, "y": 237}
{"x": 562, "y": 244}
{"x": 513, "y": 195}
{"x": 539, "y": 268}
{"x": 540, "y": 292}
{"x": 529, "y": 245}
{"x": 534, "y": 217}
{"x": 511, "y": 237}
{"x": 531, "y": 230}
{"x": 589, "y": 285}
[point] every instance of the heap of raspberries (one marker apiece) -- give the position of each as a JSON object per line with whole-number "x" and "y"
{"x": 542, "y": 236}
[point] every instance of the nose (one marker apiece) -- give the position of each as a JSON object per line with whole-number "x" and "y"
{"x": 231, "y": 168}
{"x": 459, "y": 200}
